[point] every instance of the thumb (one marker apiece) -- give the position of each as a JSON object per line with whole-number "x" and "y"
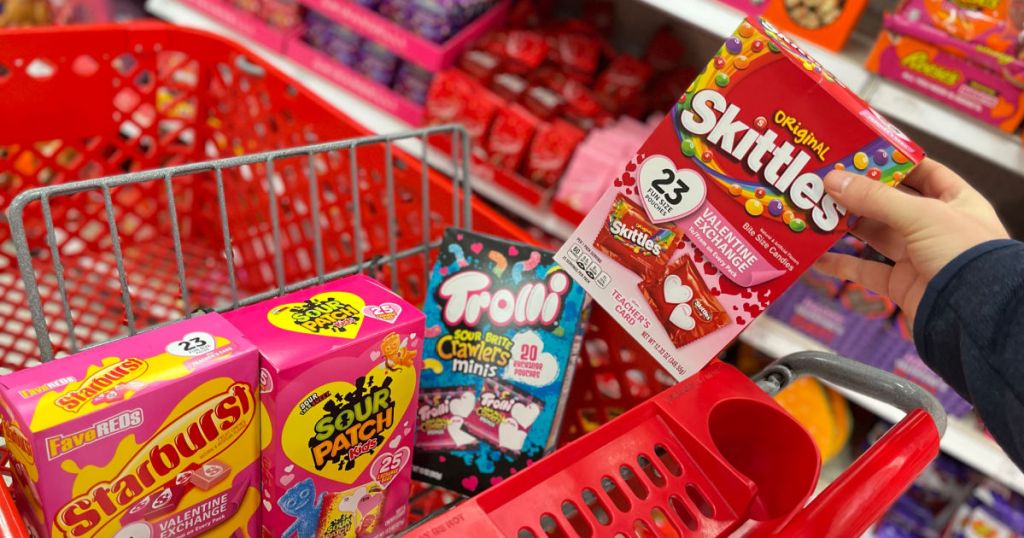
{"x": 875, "y": 200}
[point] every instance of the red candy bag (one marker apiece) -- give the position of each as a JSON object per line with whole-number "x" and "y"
{"x": 510, "y": 135}
{"x": 550, "y": 151}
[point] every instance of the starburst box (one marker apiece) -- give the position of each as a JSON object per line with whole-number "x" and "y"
{"x": 150, "y": 436}
{"x": 339, "y": 376}
{"x": 724, "y": 206}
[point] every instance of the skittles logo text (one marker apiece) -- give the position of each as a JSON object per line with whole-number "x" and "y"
{"x": 328, "y": 314}
{"x": 190, "y": 439}
{"x": 100, "y": 382}
{"x": 635, "y": 236}
{"x": 353, "y": 424}
{"x": 920, "y": 62}
{"x": 775, "y": 163}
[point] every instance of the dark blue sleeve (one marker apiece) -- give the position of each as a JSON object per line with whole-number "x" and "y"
{"x": 970, "y": 330}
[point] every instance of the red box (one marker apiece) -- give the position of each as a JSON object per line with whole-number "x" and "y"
{"x": 731, "y": 186}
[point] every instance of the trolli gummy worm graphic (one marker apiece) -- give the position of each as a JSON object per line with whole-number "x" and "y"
{"x": 504, "y": 323}
{"x": 131, "y": 439}
{"x": 339, "y": 372}
{"x": 724, "y": 206}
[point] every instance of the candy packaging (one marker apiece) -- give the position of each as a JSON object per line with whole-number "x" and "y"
{"x": 724, "y": 206}
{"x": 153, "y": 435}
{"x": 339, "y": 380}
{"x": 504, "y": 326}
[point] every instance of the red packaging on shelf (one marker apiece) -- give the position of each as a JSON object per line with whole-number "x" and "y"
{"x": 510, "y": 136}
{"x": 543, "y": 102}
{"x": 550, "y": 151}
{"x": 665, "y": 51}
{"x": 508, "y": 86}
{"x": 623, "y": 82}
{"x": 455, "y": 97}
{"x": 480, "y": 64}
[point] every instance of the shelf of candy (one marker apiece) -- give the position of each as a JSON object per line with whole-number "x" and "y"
{"x": 429, "y": 33}
{"x": 964, "y": 58}
{"x": 828, "y": 23}
{"x": 361, "y": 66}
{"x": 951, "y": 500}
{"x": 858, "y": 323}
{"x": 531, "y": 93}
{"x": 267, "y": 22}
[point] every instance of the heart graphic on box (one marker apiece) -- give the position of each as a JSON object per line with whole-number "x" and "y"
{"x": 352, "y": 421}
{"x": 386, "y": 312}
{"x": 387, "y": 466}
{"x": 669, "y": 193}
{"x": 334, "y": 313}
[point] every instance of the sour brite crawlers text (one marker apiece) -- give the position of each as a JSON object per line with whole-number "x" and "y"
{"x": 153, "y": 435}
{"x": 339, "y": 379}
{"x": 503, "y": 324}
{"x": 724, "y": 206}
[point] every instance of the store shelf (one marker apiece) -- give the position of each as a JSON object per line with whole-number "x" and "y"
{"x": 887, "y": 97}
{"x": 356, "y": 108}
{"x": 963, "y": 440}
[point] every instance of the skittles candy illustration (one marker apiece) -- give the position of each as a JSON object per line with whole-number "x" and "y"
{"x": 724, "y": 206}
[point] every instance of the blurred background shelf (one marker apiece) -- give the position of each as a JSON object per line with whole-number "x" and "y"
{"x": 898, "y": 103}
{"x": 963, "y": 440}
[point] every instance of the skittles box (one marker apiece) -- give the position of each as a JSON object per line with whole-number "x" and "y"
{"x": 339, "y": 375}
{"x": 156, "y": 435}
{"x": 504, "y": 327}
{"x": 724, "y": 206}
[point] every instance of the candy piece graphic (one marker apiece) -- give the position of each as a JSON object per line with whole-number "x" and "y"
{"x": 797, "y": 225}
{"x": 754, "y": 207}
{"x": 500, "y": 263}
{"x": 210, "y": 474}
{"x": 775, "y": 208}
{"x": 860, "y": 160}
{"x": 460, "y": 255}
{"x": 880, "y": 156}
{"x": 734, "y": 45}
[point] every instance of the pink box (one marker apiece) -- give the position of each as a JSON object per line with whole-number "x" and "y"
{"x": 985, "y": 84}
{"x": 339, "y": 380}
{"x": 383, "y": 97}
{"x": 239, "y": 21}
{"x": 106, "y": 442}
{"x": 402, "y": 42}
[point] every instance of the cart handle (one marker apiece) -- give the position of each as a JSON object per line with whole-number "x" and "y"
{"x": 862, "y": 494}
{"x": 855, "y": 376}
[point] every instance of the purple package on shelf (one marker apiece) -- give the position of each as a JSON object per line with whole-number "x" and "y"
{"x": 413, "y": 82}
{"x": 394, "y": 10}
{"x": 436, "y": 20}
{"x": 371, "y": 4}
{"x": 377, "y": 63}
{"x": 807, "y": 311}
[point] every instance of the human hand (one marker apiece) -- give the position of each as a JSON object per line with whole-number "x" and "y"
{"x": 933, "y": 217}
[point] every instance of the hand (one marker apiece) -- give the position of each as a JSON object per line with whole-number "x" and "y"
{"x": 933, "y": 217}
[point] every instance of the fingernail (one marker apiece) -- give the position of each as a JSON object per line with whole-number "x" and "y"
{"x": 836, "y": 181}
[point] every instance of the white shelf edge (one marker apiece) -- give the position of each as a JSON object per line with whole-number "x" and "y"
{"x": 963, "y": 440}
{"x": 887, "y": 97}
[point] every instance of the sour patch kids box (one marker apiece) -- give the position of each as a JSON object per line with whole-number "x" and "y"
{"x": 339, "y": 375}
{"x": 724, "y": 205}
{"x": 151, "y": 436}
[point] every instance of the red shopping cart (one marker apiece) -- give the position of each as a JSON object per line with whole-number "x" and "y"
{"x": 232, "y": 218}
